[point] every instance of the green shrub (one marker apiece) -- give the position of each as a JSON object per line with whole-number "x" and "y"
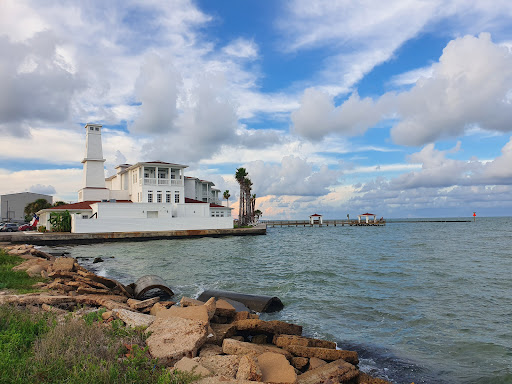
{"x": 16, "y": 280}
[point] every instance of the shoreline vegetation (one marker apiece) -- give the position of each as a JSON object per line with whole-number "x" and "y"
{"x": 60, "y": 322}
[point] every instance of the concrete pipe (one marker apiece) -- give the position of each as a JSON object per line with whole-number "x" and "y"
{"x": 148, "y": 282}
{"x": 257, "y": 303}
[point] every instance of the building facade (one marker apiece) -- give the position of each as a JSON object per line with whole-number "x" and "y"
{"x": 12, "y": 206}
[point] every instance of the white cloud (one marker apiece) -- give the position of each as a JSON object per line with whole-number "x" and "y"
{"x": 242, "y": 48}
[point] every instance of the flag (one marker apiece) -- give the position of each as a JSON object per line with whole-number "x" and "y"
{"x": 34, "y": 221}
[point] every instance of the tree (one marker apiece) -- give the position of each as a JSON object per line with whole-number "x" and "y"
{"x": 258, "y": 214}
{"x": 227, "y": 196}
{"x": 240, "y": 176}
{"x": 59, "y": 203}
{"x": 35, "y": 207}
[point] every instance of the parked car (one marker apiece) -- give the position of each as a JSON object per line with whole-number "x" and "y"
{"x": 9, "y": 227}
{"x": 26, "y": 227}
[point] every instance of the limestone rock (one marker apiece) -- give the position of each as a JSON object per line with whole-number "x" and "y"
{"x": 35, "y": 270}
{"x": 244, "y": 315}
{"x": 192, "y": 313}
{"x": 174, "y": 337}
{"x": 234, "y": 347}
{"x": 276, "y": 369}
{"x": 285, "y": 340}
{"x": 300, "y": 362}
{"x": 272, "y": 327}
{"x": 138, "y": 304}
{"x": 338, "y": 371}
{"x": 222, "y": 380}
{"x": 133, "y": 319}
{"x": 324, "y": 353}
{"x": 188, "y": 302}
{"x": 224, "y": 365}
{"x": 211, "y": 307}
{"x": 187, "y": 364}
{"x": 249, "y": 369}
{"x": 157, "y": 308}
{"x": 364, "y": 378}
{"x": 220, "y": 332}
{"x": 259, "y": 339}
{"x": 65, "y": 264}
{"x": 315, "y": 363}
{"x": 224, "y": 308}
{"x": 106, "y": 315}
{"x": 210, "y": 350}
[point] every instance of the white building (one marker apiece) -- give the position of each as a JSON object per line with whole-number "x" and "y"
{"x": 162, "y": 197}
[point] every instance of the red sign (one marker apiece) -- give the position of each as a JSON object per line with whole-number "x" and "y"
{"x": 474, "y": 214}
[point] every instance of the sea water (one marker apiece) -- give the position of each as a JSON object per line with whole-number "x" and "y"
{"x": 421, "y": 302}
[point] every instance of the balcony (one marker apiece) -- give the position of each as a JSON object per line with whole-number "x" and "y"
{"x": 154, "y": 181}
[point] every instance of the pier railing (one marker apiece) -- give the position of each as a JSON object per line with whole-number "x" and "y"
{"x": 325, "y": 223}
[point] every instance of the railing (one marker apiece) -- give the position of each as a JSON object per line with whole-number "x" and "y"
{"x": 154, "y": 181}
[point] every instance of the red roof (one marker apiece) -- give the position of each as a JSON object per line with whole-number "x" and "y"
{"x": 212, "y": 205}
{"x": 84, "y": 204}
{"x": 316, "y": 214}
{"x": 367, "y": 214}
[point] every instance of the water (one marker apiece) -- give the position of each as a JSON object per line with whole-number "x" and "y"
{"x": 423, "y": 302}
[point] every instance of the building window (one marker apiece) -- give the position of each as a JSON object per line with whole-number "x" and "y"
{"x": 91, "y": 128}
{"x": 159, "y": 198}
{"x": 85, "y": 216}
{"x": 97, "y": 129}
{"x": 150, "y": 197}
{"x": 177, "y": 198}
{"x": 168, "y": 197}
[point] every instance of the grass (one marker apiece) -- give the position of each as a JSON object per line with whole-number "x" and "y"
{"x": 34, "y": 348}
{"x": 18, "y": 281}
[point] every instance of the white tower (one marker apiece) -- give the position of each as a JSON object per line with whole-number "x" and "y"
{"x": 93, "y": 183}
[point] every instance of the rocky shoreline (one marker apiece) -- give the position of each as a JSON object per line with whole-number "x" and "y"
{"x": 210, "y": 338}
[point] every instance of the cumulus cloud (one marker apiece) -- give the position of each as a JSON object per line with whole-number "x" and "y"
{"x": 294, "y": 176}
{"x": 468, "y": 87}
{"x": 44, "y": 189}
{"x": 36, "y": 87}
{"x": 242, "y": 48}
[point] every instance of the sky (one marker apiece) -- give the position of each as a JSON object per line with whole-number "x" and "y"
{"x": 400, "y": 108}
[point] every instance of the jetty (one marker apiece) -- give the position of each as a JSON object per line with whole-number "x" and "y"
{"x": 324, "y": 223}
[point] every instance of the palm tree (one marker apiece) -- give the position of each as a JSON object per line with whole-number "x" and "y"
{"x": 240, "y": 176}
{"x": 253, "y": 207}
{"x": 248, "y": 205}
{"x": 227, "y": 196}
{"x": 258, "y": 214}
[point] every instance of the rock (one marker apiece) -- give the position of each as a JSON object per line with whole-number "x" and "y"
{"x": 65, "y": 264}
{"x": 276, "y": 369}
{"x": 157, "y": 308}
{"x": 188, "y": 302}
{"x": 91, "y": 291}
{"x": 338, "y": 371}
{"x": 238, "y": 338}
{"x": 211, "y": 307}
{"x": 35, "y": 270}
{"x": 27, "y": 264}
{"x": 324, "y": 353}
{"x": 249, "y": 369}
{"x": 244, "y": 315}
{"x": 138, "y": 304}
{"x": 222, "y": 380}
{"x": 133, "y": 319}
{"x": 174, "y": 338}
{"x": 187, "y": 364}
{"x": 285, "y": 340}
{"x": 224, "y": 365}
{"x": 234, "y": 347}
{"x": 44, "y": 274}
{"x": 107, "y": 315}
{"x": 259, "y": 339}
{"x": 168, "y": 303}
{"x": 219, "y": 319}
{"x": 210, "y": 350}
{"x": 220, "y": 332}
{"x": 49, "y": 308}
{"x": 224, "y": 308}
{"x": 315, "y": 362}
{"x": 364, "y": 378}
{"x": 300, "y": 362}
{"x": 272, "y": 327}
{"x": 192, "y": 313}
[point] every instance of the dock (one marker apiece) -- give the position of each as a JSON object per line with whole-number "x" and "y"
{"x": 60, "y": 238}
{"x": 325, "y": 223}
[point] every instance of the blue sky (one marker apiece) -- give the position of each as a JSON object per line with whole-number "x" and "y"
{"x": 401, "y": 108}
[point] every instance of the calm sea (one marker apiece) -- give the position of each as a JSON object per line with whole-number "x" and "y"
{"x": 423, "y": 302}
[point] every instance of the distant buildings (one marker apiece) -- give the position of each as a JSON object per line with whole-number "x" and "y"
{"x": 146, "y": 196}
{"x": 12, "y": 206}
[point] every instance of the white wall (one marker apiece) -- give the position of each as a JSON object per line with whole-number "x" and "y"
{"x": 194, "y": 210}
{"x": 120, "y": 195}
{"x": 99, "y": 225}
{"x": 130, "y": 211}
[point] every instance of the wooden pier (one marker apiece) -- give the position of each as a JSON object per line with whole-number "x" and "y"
{"x": 326, "y": 223}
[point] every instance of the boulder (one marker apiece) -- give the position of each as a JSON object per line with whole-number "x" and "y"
{"x": 222, "y": 380}
{"x": 35, "y": 270}
{"x": 187, "y": 364}
{"x": 106, "y": 315}
{"x": 276, "y": 369}
{"x": 173, "y": 338}
{"x": 64, "y": 264}
{"x": 323, "y": 353}
{"x": 338, "y": 371}
{"x": 365, "y": 378}
{"x": 211, "y": 307}
{"x": 244, "y": 315}
{"x": 188, "y": 302}
{"x": 192, "y": 313}
{"x": 285, "y": 340}
{"x": 223, "y": 308}
{"x": 140, "y": 304}
{"x": 259, "y": 339}
{"x": 224, "y": 365}
{"x": 300, "y": 362}
{"x": 220, "y": 332}
{"x": 133, "y": 319}
{"x": 157, "y": 308}
{"x": 315, "y": 362}
{"x": 249, "y": 369}
{"x": 234, "y": 347}
{"x": 210, "y": 350}
{"x": 272, "y": 327}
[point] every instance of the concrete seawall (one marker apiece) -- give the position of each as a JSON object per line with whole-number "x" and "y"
{"x": 90, "y": 238}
